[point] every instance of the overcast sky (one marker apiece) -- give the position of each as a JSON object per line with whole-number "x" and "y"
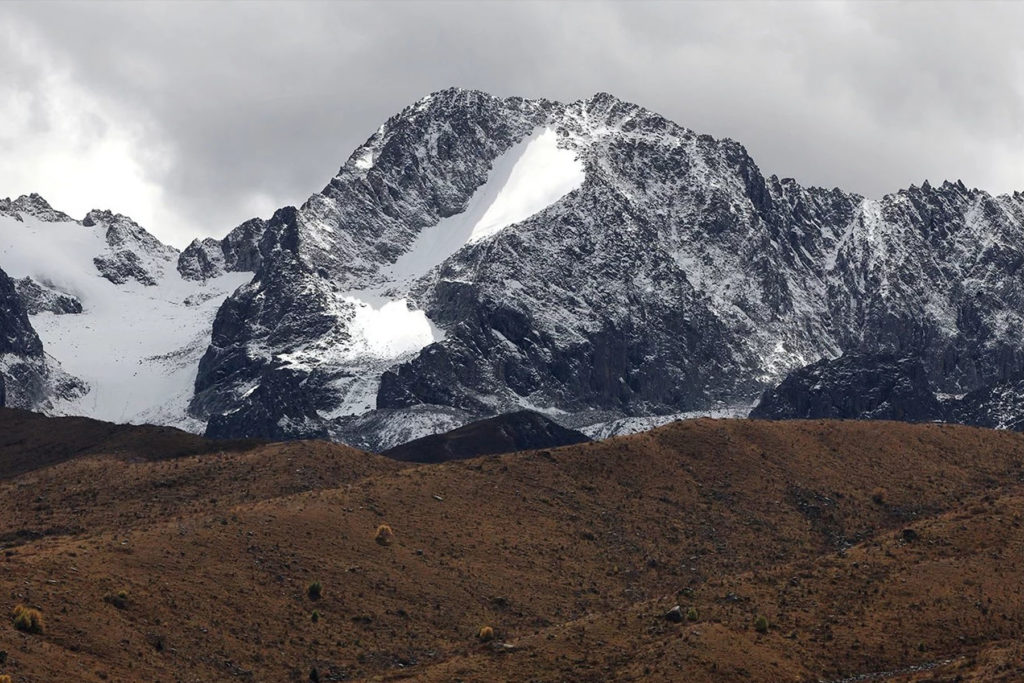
{"x": 194, "y": 117}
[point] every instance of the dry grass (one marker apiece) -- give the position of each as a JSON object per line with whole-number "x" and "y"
{"x": 28, "y": 619}
{"x": 577, "y": 553}
{"x": 385, "y": 534}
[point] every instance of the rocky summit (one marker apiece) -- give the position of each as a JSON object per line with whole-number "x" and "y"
{"x": 591, "y": 261}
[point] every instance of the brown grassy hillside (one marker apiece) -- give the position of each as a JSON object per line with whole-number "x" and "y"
{"x": 869, "y": 548}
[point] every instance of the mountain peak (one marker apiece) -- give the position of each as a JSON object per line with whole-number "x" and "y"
{"x": 34, "y": 205}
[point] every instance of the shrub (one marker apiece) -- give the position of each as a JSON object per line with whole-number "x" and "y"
{"x": 878, "y": 495}
{"x": 314, "y": 590}
{"x": 692, "y": 614}
{"x": 385, "y": 534}
{"x": 485, "y": 634}
{"x": 315, "y": 616}
{"x": 27, "y": 619}
{"x": 761, "y": 624}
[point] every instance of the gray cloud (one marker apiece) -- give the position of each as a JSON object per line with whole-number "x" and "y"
{"x": 227, "y": 110}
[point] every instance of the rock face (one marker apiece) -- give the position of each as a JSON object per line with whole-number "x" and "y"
{"x": 998, "y": 406}
{"x": 38, "y": 298}
{"x": 654, "y": 271}
{"x": 28, "y": 379}
{"x": 31, "y": 205}
{"x": 520, "y": 431}
{"x": 237, "y": 252}
{"x": 854, "y": 386}
{"x": 133, "y": 253}
{"x": 16, "y": 334}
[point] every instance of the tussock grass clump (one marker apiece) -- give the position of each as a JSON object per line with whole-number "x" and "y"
{"x": 28, "y": 619}
{"x": 6, "y": 678}
{"x": 485, "y": 634}
{"x": 315, "y": 617}
{"x": 314, "y": 590}
{"x": 761, "y": 624}
{"x": 692, "y": 614}
{"x": 385, "y": 534}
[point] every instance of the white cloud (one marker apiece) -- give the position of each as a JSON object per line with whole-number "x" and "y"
{"x": 75, "y": 149}
{"x": 193, "y": 117}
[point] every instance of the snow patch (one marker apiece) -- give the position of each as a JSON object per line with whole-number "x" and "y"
{"x": 365, "y": 161}
{"x": 531, "y": 176}
{"x": 390, "y": 330}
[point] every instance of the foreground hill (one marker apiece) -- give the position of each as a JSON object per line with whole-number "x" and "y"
{"x": 868, "y": 547}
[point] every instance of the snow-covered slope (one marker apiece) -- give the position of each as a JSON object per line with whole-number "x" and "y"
{"x": 137, "y": 341}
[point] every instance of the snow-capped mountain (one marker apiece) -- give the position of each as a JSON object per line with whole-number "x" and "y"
{"x": 590, "y": 260}
{"x": 114, "y": 327}
{"x": 595, "y": 261}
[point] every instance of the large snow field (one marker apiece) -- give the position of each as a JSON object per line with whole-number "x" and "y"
{"x": 137, "y": 347}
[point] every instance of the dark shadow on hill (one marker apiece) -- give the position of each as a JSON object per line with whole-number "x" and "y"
{"x": 30, "y": 441}
{"x": 520, "y": 431}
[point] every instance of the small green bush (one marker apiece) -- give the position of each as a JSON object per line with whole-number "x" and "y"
{"x": 315, "y": 616}
{"x": 761, "y": 624}
{"x": 314, "y": 590}
{"x": 692, "y": 614}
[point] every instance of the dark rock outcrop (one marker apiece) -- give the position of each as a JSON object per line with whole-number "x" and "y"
{"x": 201, "y": 259}
{"x": 998, "y": 406}
{"x": 853, "y": 387}
{"x": 132, "y": 252}
{"x": 17, "y": 337}
{"x": 38, "y": 298}
{"x": 32, "y": 205}
{"x": 238, "y": 252}
{"x": 29, "y": 379}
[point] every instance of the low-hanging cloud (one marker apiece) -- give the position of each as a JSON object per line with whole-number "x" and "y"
{"x": 195, "y": 116}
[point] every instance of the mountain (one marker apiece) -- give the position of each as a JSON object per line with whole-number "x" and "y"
{"x": 103, "y": 323}
{"x": 875, "y": 551}
{"x": 520, "y": 431}
{"x": 591, "y": 261}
